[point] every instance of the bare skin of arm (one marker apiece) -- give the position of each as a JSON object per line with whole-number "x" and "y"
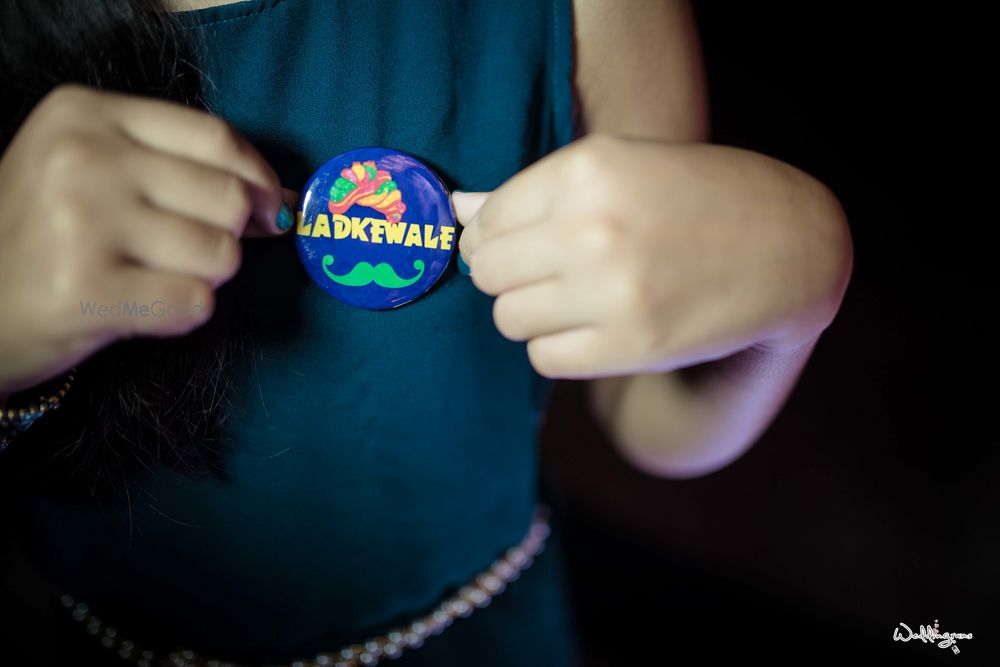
{"x": 640, "y": 75}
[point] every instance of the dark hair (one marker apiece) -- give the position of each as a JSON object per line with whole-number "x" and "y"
{"x": 144, "y": 401}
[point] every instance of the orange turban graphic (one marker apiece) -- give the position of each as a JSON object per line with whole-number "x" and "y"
{"x": 366, "y": 185}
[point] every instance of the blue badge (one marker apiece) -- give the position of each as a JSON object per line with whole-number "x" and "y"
{"x": 375, "y": 228}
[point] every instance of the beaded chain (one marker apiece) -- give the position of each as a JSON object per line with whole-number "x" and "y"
{"x": 14, "y": 421}
{"x": 487, "y": 585}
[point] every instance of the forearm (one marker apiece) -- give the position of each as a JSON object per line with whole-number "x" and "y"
{"x": 699, "y": 417}
{"x": 695, "y": 420}
{"x": 640, "y": 75}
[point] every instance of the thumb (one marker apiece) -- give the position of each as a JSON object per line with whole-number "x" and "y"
{"x": 284, "y": 221}
{"x": 467, "y": 205}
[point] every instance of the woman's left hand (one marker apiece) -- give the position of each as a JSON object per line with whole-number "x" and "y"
{"x": 614, "y": 256}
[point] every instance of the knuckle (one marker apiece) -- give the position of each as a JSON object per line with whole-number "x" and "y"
{"x": 228, "y": 255}
{"x": 599, "y": 235}
{"x": 238, "y": 200}
{"x": 69, "y": 287}
{"x": 648, "y": 341}
{"x": 67, "y": 97}
{"x": 629, "y": 292}
{"x": 69, "y": 104}
{"x": 222, "y": 136}
{"x": 66, "y": 280}
{"x": 70, "y": 152}
{"x": 70, "y": 220}
{"x": 586, "y": 163}
{"x": 192, "y": 307}
{"x": 636, "y": 306}
{"x": 200, "y": 296}
{"x": 186, "y": 314}
{"x": 599, "y": 142}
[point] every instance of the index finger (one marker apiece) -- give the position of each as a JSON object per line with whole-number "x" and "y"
{"x": 523, "y": 199}
{"x": 198, "y": 135}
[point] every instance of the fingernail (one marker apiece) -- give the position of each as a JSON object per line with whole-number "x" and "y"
{"x": 285, "y": 218}
{"x": 463, "y": 268}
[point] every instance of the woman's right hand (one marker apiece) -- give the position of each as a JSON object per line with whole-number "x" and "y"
{"x": 109, "y": 200}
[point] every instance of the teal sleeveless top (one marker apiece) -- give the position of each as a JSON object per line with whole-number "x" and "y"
{"x": 379, "y": 459}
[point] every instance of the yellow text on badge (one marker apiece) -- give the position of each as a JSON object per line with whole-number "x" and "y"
{"x": 376, "y": 230}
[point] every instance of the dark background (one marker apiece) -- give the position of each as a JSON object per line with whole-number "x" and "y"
{"x": 874, "y": 498}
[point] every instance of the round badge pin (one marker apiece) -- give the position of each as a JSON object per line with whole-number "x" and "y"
{"x": 375, "y": 228}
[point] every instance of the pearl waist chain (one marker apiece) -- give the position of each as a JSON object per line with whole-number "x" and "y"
{"x": 476, "y": 594}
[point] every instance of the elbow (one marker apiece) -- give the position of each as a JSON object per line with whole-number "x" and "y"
{"x": 832, "y": 252}
{"x": 825, "y": 261}
{"x": 687, "y": 462}
{"x": 841, "y": 245}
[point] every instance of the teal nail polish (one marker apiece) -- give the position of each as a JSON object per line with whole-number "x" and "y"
{"x": 463, "y": 268}
{"x": 285, "y": 218}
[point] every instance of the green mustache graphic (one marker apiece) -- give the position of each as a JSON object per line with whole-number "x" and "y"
{"x": 382, "y": 274}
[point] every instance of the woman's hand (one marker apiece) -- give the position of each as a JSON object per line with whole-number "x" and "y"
{"x": 614, "y": 257}
{"x": 109, "y": 201}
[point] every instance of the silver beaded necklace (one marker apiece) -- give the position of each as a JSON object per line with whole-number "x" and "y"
{"x": 475, "y": 595}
